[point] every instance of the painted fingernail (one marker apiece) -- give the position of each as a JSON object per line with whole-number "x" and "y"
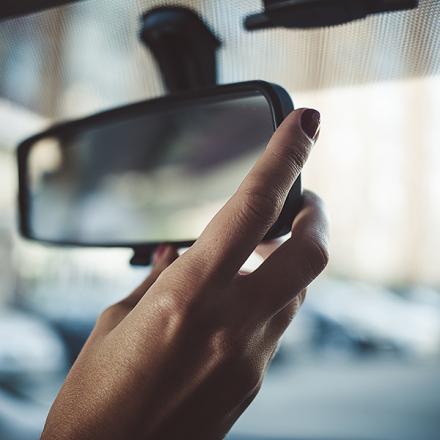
{"x": 158, "y": 253}
{"x": 310, "y": 123}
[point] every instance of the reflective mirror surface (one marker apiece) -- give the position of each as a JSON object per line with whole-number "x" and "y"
{"x": 154, "y": 176}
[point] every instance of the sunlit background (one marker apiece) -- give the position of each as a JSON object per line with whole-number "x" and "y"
{"x": 362, "y": 359}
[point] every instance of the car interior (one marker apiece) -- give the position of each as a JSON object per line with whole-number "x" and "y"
{"x": 127, "y": 123}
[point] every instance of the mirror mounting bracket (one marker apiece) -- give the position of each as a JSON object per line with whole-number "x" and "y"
{"x": 183, "y": 47}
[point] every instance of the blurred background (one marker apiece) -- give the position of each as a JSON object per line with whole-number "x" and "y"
{"x": 362, "y": 360}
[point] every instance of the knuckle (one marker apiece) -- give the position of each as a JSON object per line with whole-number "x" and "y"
{"x": 261, "y": 206}
{"x": 224, "y": 344}
{"x": 173, "y": 304}
{"x": 170, "y": 316}
{"x": 112, "y": 313}
{"x": 314, "y": 199}
{"x": 317, "y": 255}
{"x": 293, "y": 156}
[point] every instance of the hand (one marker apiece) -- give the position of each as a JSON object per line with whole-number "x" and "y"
{"x": 184, "y": 355}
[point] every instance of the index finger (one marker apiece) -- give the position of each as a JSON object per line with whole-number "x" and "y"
{"x": 242, "y": 223}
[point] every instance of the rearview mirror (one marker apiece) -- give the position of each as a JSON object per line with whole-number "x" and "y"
{"x": 152, "y": 172}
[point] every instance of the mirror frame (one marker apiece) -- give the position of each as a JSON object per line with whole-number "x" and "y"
{"x": 280, "y": 105}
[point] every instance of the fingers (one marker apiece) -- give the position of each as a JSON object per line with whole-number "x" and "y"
{"x": 294, "y": 265}
{"x": 114, "y": 314}
{"x": 162, "y": 258}
{"x": 242, "y": 223}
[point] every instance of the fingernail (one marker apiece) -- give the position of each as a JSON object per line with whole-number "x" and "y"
{"x": 310, "y": 122}
{"x": 158, "y": 253}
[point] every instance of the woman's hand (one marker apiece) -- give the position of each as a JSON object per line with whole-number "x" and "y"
{"x": 184, "y": 355}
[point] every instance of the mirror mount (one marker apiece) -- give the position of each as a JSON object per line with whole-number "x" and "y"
{"x": 183, "y": 46}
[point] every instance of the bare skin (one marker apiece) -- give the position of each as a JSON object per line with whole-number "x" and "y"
{"x": 185, "y": 353}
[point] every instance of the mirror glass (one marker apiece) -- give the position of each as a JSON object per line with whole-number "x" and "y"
{"x": 152, "y": 176}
